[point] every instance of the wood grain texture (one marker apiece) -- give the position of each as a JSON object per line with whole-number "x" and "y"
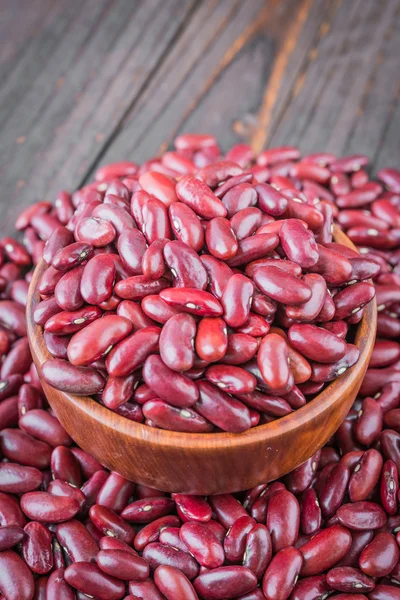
{"x": 205, "y": 463}
{"x": 83, "y": 83}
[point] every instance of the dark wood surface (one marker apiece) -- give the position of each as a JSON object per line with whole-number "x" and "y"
{"x": 86, "y": 82}
{"x": 212, "y": 463}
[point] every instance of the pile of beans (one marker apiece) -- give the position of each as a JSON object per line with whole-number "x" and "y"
{"x": 69, "y": 529}
{"x": 201, "y": 293}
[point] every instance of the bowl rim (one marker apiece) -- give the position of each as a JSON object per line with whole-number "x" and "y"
{"x": 364, "y": 340}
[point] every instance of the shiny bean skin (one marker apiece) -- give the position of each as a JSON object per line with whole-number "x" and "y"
{"x": 185, "y": 265}
{"x": 235, "y": 539}
{"x": 245, "y": 222}
{"x": 361, "y": 515}
{"x": 151, "y": 532}
{"x": 138, "y": 287}
{"x": 43, "y": 426}
{"x": 10, "y": 536}
{"x": 325, "y": 549}
{"x": 298, "y": 243}
{"x": 282, "y": 287}
{"x": 236, "y": 300}
{"x": 175, "y": 388}
{"x": 66, "y": 377}
{"x": 227, "y": 509}
{"x": 173, "y": 584}
{"x": 369, "y": 422}
{"x": 349, "y": 579}
{"x": 160, "y": 186}
{"x": 202, "y": 544}
{"x": 77, "y": 541}
{"x": 19, "y": 447}
{"x": 37, "y": 549}
{"x": 274, "y": 364}
{"x": 45, "y": 508}
{"x": 68, "y": 322}
{"x": 198, "y": 196}
{"x": 310, "y": 516}
{"x": 148, "y": 509}
{"x": 166, "y": 416}
{"x": 316, "y": 343}
{"x": 115, "y": 492}
{"x": 253, "y": 248}
{"x": 220, "y": 238}
{"x": 283, "y": 519}
{"x": 239, "y": 197}
{"x": 227, "y": 413}
{"x": 132, "y": 352}
{"x": 67, "y": 291}
{"x": 193, "y": 301}
{"x": 16, "y": 580}
{"x": 186, "y": 225}
{"x": 109, "y": 523}
{"x": 89, "y": 579}
{"x": 156, "y": 554}
{"x": 233, "y": 380}
{"x": 122, "y": 565}
{"x": 144, "y": 590}
{"x": 380, "y": 557}
{"x": 225, "y": 582}
{"x": 282, "y": 573}
{"x": 98, "y": 279}
{"x": 218, "y": 274}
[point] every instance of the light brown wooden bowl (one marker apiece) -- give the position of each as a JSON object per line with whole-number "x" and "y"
{"x": 211, "y": 463}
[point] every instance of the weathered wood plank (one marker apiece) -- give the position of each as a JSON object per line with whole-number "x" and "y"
{"x": 339, "y": 105}
{"x": 89, "y": 82}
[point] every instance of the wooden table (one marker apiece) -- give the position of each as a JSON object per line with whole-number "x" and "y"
{"x": 84, "y": 82}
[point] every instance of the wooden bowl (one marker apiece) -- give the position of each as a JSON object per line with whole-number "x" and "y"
{"x": 211, "y": 463}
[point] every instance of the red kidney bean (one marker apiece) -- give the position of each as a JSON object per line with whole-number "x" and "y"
{"x": 18, "y": 446}
{"x": 192, "y": 508}
{"x": 93, "y": 485}
{"x": 276, "y": 155}
{"x": 236, "y": 300}
{"x": 119, "y": 218}
{"x": 115, "y": 492}
{"x": 187, "y": 269}
{"x": 156, "y": 554}
{"x": 186, "y": 225}
{"x": 361, "y": 515}
{"x": 311, "y": 588}
{"x": 233, "y": 380}
{"x": 218, "y": 274}
{"x": 77, "y": 541}
{"x": 175, "y": 388}
{"x": 380, "y": 557}
{"x": 349, "y": 579}
{"x": 301, "y": 478}
{"x": 10, "y": 512}
{"x": 310, "y": 516}
{"x": 202, "y": 544}
{"x": 384, "y": 592}
{"x": 37, "y": 548}
{"x": 138, "y": 287}
{"x": 328, "y": 372}
{"x": 369, "y": 422}
{"x": 151, "y": 532}
{"x": 282, "y": 573}
{"x": 389, "y": 487}
{"x": 225, "y": 582}
{"x": 133, "y": 312}
{"x": 57, "y": 487}
{"x": 283, "y": 519}
{"x": 258, "y": 550}
{"x": 72, "y": 256}
{"x": 118, "y": 391}
{"x": 227, "y": 413}
{"x": 385, "y": 352}
{"x": 173, "y": 584}
{"x": 160, "y": 186}
{"x": 98, "y": 279}
{"x": 239, "y": 197}
{"x": 57, "y": 587}
{"x": 43, "y": 426}
{"x": 240, "y": 347}
{"x": 365, "y": 475}
{"x": 176, "y": 419}
{"x": 325, "y": 549}
{"x": 24, "y": 218}
{"x": 148, "y": 509}
{"x": 235, "y": 539}
{"x": 16, "y": 580}
{"x": 60, "y": 238}
{"x": 334, "y": 489}
{"x": 245, "y": 222}
{"x": 12, "y": 317}
{"x": 220, "y": 238}
{"x": 144, "y": 590}
{"x": 193, "y": 301}
{"x": 122, "y": 565}
{"x": 64, "y": 323}
{"x": 67, "y": 291}
{"x": 97, "y": 339}
{"x": 64, "y": 466}
{"x": 211, "y": 339}
{"x": 253, "y": 248}
{"x": 213, "y": 174}
{"x": 131, "y": 353}
{"x": 10, "y": 535}
{"x": 298, "y": 243}
{"x": 153, "y": 264}
{"x": 45, "y": 508}
{"x": 109, "y": 523}
{"x": 88, "y": 578}
{"x": 170, "y": 537}
{"x": 316, "y": 343}
{"x": 274, "y": 365}
{"x": 119, "y": 169}
{"x": 282, "y": 287}
{"x": 96, "y": 232}
{"x": 227, "y": 509}
{"x": 68, "y": 378}
{"x": 11, "y": 386}
{"x": 9, "y": 412}
{"x": 198, "y": 196}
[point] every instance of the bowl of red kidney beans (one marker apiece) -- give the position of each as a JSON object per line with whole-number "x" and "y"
{"x": 70, "y": 528}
